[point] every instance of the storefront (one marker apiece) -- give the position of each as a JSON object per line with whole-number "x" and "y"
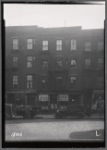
{"x": 62, "y": 101}
{"x": 44, "y": 102}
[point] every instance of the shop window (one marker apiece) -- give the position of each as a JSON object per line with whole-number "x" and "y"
{"x": 43, "y": 97}
{"x": 15, "y": 80}
{"x": 87, "y": 46}
{"x": 44, "y": 45}
{"x": 73, "y": 44}
{"x": 59, "y": 45}
{"x": 29, "y": 44}
{"x": 63, "y": 97}
{"x": 29, "y": 81}
{"x": 15, "y": 44}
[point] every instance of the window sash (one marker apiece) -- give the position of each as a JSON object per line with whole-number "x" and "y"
{"x": 88, "y": 46}
{"x": 73, "y": 62}
{"x": 29, "y": 43}
{"x": 29, "y": 77}
{"x": 15, "y": 80}
{"x": 59, "y": 45}
{"x": 15, "y": 59}
{"x": 29, "y": 84}
{"x": 44, "y": 45}
{"x": 15, "y": 44}
{"x": 73, "y": 44}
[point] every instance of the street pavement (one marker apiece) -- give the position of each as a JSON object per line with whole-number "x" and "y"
{"x": 50, "y": 129}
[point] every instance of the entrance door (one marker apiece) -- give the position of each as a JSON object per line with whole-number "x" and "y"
{"x": 31, "y": 99}
{"x": 53, "y": 106}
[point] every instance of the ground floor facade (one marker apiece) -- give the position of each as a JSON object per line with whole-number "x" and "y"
{"x": 51, "y": 101}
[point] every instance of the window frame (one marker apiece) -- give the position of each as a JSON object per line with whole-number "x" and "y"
{"x": 29, "y": 81}
{"x": 15, "y": 43}
{"x": 45, "y": 44}
{"x": 88, "y": 46}
{"x": 73, "y": 45}
{"x": 29, "y": 44}
{"x": 29, "y": 61}
{"x": 15, "y": 80}
{"x": 59, "y": 45}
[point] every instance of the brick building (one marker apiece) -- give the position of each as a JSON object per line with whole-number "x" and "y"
{"x": 54, "y": 67}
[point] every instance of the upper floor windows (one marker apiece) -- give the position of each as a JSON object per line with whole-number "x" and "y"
{"x": 87, "y": 62}
{"x": 29, "y": 61}
{"x": 15, "y": 80}
{"x": 45, "y": 64}
{"x": 87, "y": 46}
{"x": 100, "y": 45}
{"x": 29, "y": 81}
{"x": 59, "y": 63}
{"x": 44, "y": 45}
{"x": 73, "y": 79}
{"x": 15, "y": 59}
{"x": 73, "y": 62}
{"x": 15, "y": 44}
{"x": 59, "y": 45}
{"x": 73, "y": 44}
{"x": 29, "y": 43}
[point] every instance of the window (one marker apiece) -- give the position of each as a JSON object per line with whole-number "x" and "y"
{"x": 59, "y": 63}
{"x": 29, "y": 61}
{"x": 29, "y": 43}
{"x": 59, "y": 45}
{"x": 44, "y": 45}
{"x": 73, "y": 62}
{"x": 63, "y": 97}
{"x": 15, "y": 44}
{"x": 43, "y": 97}
{"x": 15, "y": 59}
{"x": 45, "y": 64}
{"x": 73, "y": 79}
{"x": 87, "y": 62}
{"x": 73, "y": 44}
{"x": 29, "y": 81}
{"x": 88, "y": 46}
{"x": 59, "y": 78}
{"x": 100, "y": 45}
{"x": 15, "y": 80}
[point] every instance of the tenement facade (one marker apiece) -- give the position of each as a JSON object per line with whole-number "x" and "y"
{"x": 54, "y": 67}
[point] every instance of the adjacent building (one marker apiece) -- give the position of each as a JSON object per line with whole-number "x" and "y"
{"x": 54, "y": 67}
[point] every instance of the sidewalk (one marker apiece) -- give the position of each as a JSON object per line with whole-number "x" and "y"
{"x": 52, "y": 116}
